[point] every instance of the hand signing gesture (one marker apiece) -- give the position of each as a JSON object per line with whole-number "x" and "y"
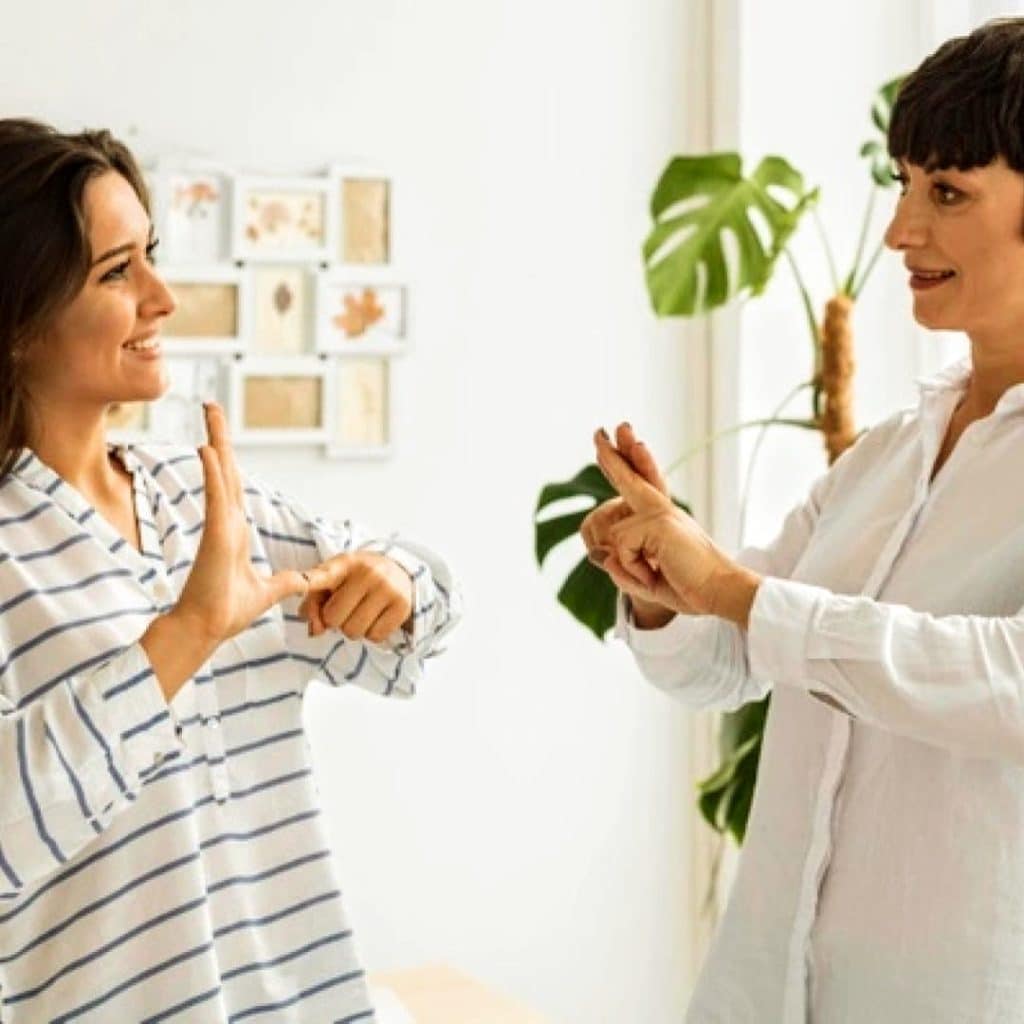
{"x": 658, "y": 548}
{"x": 224, "y": 593}
{"x": 361, "y": 593}
{"x": 596, "y": 532}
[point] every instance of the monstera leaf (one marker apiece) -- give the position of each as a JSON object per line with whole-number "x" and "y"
{"x": 695, "y": 203}
{"x": 587, "y": 592}
{"x": 877, "y": 150}
{"x": 726, "y": 794}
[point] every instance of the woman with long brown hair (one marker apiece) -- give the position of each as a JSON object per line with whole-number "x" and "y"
{"x": 161, "y": 615}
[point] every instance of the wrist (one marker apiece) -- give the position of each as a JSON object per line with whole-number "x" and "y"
{"x": 176, "y": 648}
{"x": 649, "y": 614}
{"x": 733, "y": 591}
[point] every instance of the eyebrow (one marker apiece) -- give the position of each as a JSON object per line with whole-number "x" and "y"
{"x": 118, "y": 250}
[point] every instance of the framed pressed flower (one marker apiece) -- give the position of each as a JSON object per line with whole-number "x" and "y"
{"x": 282, "y": 315}
{"x": 191, "y": 211}
{"x": 283, "y": 219}
{"x": 360, "y": 316}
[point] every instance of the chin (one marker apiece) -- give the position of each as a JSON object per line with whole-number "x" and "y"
{"x": 937, "y": 322}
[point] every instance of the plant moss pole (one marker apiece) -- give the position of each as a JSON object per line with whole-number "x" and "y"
{"x": 837, "y": 369}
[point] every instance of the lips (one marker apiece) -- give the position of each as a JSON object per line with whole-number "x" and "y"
{"x": 144, "y": 343}
{"x": 930, "y": 275}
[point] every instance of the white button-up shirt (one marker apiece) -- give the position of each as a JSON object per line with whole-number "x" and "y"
{"x": 167, "y": 861}
{"x": 882, "y": 876}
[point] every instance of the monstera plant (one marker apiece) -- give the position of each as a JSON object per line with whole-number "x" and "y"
{"x": 698, "y": 201}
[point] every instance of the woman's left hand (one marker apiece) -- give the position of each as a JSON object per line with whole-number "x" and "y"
{"x": 666, "y": 552}
{"x": 364, "y": 594}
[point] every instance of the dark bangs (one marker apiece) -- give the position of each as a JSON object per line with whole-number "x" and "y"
{"x": 964, "y": 106}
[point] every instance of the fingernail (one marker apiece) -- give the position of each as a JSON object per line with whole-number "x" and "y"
{"x": 598, "y": 555}
{"x": 627, "y": 424}
{"x": 604, "y": 434}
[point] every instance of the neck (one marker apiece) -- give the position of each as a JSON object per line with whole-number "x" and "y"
{"x": 996, "y": 366}
{"x": 74, "y": 445}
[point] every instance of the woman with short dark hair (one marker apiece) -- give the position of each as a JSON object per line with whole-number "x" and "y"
{"x": 161, "y": 615}
{"x": 882, "y": 875}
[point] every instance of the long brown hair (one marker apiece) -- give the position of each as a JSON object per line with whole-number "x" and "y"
{"x": 44, "y": 245}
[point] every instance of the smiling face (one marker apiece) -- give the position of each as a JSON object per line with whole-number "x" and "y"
{"x": 969, "y": 224}
{"x": 82, "y": 362}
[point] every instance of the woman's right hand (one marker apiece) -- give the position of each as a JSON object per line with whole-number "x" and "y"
{"x": 223, "y": 593}
{"x": 595, "y": 531}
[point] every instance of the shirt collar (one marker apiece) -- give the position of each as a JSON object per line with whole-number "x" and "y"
{"x": 36, "y": 473}
{"x": 954, "y": 377}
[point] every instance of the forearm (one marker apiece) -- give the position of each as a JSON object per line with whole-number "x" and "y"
{"x": 176, "y": 649}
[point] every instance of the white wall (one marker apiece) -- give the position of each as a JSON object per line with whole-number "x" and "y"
{"x": 526, "y": 817}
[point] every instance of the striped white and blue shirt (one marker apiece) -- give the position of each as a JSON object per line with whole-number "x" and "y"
{"x": 168, "y": 862}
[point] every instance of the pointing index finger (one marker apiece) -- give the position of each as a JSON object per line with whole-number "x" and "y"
{"x": 626, "y": 480}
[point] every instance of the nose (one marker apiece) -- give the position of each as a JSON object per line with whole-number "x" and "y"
{"x": 908, "y": 228}
{"x": 156, "y": 300}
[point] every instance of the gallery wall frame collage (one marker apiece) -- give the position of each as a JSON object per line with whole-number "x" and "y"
{"x": 289, "y": 309}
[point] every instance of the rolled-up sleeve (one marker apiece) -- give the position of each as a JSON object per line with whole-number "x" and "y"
{"x": 295, "y": 538}
{"x": 73, "y": 757}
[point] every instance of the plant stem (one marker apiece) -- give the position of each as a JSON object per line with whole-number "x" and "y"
{"x": 828, "y": 248}
{"x": 870, "y": 267}
{"x": 808, "y": 308}
{"x": 712, "y": 438}
{"x": 848, "y": 287}
{"x": 745, "y": 494}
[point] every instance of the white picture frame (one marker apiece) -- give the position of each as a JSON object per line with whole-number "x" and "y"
{"x": 360, "y": 314}
{"x": 283, "y": 309}
{"x": 211, "y": 288}
{"x": 351, "y": 437}
{"x": 191, "y": 209}
{"x": 249, "y": 410}
{"x": 364, "y": 237}
{"x": 283, "y": 219}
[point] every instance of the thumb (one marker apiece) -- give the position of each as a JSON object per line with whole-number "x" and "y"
{"x": 287, "y": 583}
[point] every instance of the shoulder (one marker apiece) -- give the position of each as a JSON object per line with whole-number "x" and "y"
{"x": 887, "y": 443}
{"x": 892, "y": 433}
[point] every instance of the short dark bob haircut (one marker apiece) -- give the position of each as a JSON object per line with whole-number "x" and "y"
{"x": 964, "y": 106}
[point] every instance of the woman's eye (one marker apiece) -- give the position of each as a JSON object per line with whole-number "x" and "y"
{"x": 116, "y": 273}
{"x": 898, "y": 176}
{"x": 947, "y": 193}
{"x": 151, "y": 250}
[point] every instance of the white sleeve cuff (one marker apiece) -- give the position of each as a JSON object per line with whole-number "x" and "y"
{"x": 673, "y": 638}
{"x": 778, "y": 630}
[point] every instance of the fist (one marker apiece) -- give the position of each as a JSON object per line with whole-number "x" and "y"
{"x": 363, "y": 594}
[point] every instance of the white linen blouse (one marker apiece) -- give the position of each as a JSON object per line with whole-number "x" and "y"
{"x": 882, "y": 875}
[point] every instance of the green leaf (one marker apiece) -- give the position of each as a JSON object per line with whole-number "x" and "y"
{"x": 726, "y": 794}
{"x": 589, "y": 482}
{"x": 738, "y": 726}
{"x": 551, "y": 532}
{"x": 877, "y": 150}
{"x": 590, "y": 596}
{"x": 687, "y": 270}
